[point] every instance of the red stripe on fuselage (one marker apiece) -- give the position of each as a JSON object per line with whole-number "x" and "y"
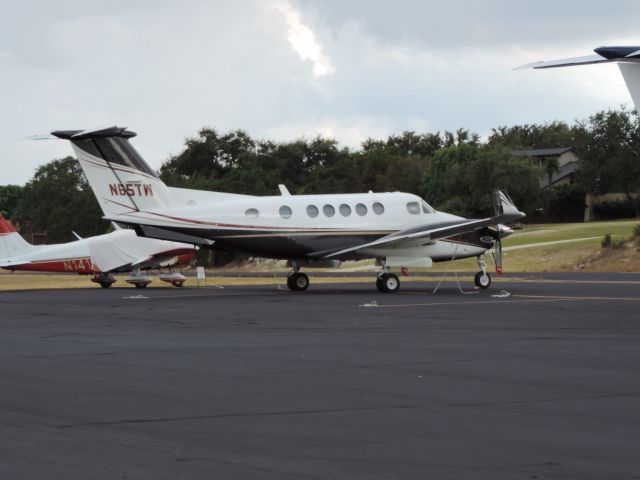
{"x": 72, "y": 265}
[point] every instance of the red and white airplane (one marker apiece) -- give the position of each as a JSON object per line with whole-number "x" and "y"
{"x": 100, "y": 256}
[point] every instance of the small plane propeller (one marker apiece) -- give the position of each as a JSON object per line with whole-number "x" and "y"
{"x": 497, "y": 209}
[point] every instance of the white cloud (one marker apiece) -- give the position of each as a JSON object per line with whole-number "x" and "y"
{"x": 303, "y": 40}
{"x": 167, "y": 69}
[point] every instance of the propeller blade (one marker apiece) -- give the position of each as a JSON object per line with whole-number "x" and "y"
{"x": 498, "y": 255}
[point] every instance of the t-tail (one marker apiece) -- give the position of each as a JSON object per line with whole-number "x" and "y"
{"x": 11, "y": 242}
{"x": 120, "y": 178}
{"x": 627, "y": 58}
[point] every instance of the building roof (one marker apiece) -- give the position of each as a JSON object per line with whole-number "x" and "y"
{"x": 542, "y": 152}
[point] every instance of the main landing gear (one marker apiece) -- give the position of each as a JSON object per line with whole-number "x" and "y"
{"x": 297, "y": 281}
{"x": 387, "y": 282}
{"x": 105, "y": 280}
{"x": 482, "y": 278}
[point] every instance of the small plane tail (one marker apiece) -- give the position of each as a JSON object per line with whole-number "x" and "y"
{"x": 121, "y": 180}
{"x": 627, "y": 58}
{"x": 11, "y": 242}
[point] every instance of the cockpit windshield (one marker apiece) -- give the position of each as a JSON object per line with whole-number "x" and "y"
{"x": 426, "y": 208}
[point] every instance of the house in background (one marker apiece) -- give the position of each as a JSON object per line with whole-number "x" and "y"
{"x": 560, "y": 164}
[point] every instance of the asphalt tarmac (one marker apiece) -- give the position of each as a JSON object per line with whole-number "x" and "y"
{"x": 337, "y": 382}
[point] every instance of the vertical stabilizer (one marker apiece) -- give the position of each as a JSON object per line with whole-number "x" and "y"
{"x": 119, "y": 177}
{"x": 631, "y": 74}
{"x": 11, "y": 242}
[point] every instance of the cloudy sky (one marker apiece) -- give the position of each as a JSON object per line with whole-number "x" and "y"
{"x": 284, "y": 69}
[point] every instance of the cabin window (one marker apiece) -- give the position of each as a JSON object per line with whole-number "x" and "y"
{"x": 413, "y": 208}
{"x": 252, "y": 213}
{"x": 312, "y": 211}
{"x": 426, "y": 208}
{"x": 328, "y": 210}
{"x": 361, "y": 209}
{"x": 345, "y": 210}
{"x": 285, "y": 212}
{"x": 377, "y": 208}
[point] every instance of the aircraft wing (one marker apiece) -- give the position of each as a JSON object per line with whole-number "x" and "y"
{"x": 123, "y": 250}
{"x": 427, "y": 233}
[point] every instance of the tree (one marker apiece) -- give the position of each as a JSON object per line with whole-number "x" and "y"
{"x": 461, "y": 179}
{"x": 59, "y": 201}
{"x": 610, "y": 153}
{"x": 548, "y": 135}
{"x": 9, "y": 197}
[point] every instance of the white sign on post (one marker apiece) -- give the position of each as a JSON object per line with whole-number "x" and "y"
{"x": 201, "y": 275}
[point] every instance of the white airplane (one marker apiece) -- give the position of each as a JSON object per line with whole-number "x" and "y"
{"x": 397, "y": 229}
{"x": 100, "y": 256}
{"x": 627, "y": 58}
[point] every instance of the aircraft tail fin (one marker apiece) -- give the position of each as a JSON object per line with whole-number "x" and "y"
{"x": 119, "y": 177}
{"x": 11, "y": 242}
{"x": 627, "y": 58}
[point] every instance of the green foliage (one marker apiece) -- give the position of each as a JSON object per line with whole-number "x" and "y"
{"x": 58, "y": 201}
{"x": 618, "y": 243}
{"x": 549, "y": 135}
{"x": 561, "y": 203}
{"x": 636, "y": 231}
{"x": 606, "y": 241}
{"x": 9, "y": 197}
{"x": 616, "y": 209}
{"x": 461, "y": 179}
{"x": 608, "y": 145}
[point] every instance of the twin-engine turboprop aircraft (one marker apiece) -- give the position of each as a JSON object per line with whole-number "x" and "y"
{"x": 100, "y": 256}
{"x": 397, "y": 229}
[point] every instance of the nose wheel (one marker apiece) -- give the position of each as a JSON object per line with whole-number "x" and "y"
{"x": 482, "y": 280}
{"x": 297, "y": 282}
{"x": 388, "y": 283}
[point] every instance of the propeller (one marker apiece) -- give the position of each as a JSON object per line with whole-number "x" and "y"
{"x": 497, "y": 210}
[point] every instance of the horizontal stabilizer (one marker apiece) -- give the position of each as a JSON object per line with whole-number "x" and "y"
{"x": 566, "y": 62}
{"x": 164, "y": 234}
{"x": 627, "y": 58}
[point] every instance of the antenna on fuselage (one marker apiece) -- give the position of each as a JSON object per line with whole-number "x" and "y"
{"x": 283, "y": 190}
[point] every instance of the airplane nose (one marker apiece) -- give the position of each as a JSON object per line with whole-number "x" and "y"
{"x": 504, "y": 231}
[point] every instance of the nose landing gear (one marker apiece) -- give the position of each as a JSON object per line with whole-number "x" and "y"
{"x": 482, "y": 278}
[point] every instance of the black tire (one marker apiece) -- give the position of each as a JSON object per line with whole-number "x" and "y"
{"x": 178, "y": 284}
{"x": 141, "y": 285}
{"x": 389, "y": 282}
{"x": 379, "y": 285}
{"x": 105, "y": 284}
{"x": 482, "y": 280}
{"x": 297, "y": 282}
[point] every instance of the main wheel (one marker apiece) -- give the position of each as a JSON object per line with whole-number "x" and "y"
{"x": 105, "y": 284}
{"x": 482, "y": 280}
{"x": 297, "y": 282}
{"x": 388, "y": 283}
{"x": 141, "y": 285}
